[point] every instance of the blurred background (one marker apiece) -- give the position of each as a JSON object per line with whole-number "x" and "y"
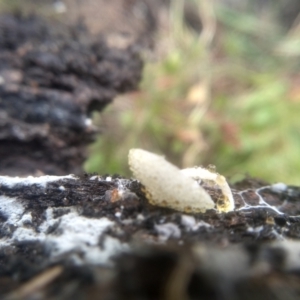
{"x": 220, "y": 85}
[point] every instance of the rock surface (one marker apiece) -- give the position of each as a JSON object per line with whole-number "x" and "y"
{"x": 98, "y": 237}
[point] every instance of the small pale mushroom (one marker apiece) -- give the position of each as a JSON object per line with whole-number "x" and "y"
{"x": 226, "y": 202}
{"x": 167, "y": 186}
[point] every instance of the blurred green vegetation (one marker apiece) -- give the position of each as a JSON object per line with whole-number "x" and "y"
{"x": 228, "y": 96}
{"x": 43, "y": 8}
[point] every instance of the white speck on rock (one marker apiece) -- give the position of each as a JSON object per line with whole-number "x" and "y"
{"x": 255, "y": 229}
{"x": 191, "y": 224}
{"x": 140, "y": 217}
{"x": 59, "y": 7}
{"x": 278, "y": 187}
{"x": 168, "y": 230}
{"x": 202, "y": 224}
{"x": 118, "y": 214}
{"x": 41, "y": 181}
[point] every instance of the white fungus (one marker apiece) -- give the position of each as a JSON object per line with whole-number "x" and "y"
{"x": 41, "y": 181}
{"x": 12, "y": 209}
{"x": 68, "y": 233}
{"x": 165, "y": 185}
{"x": 168, "y": 230}
{"x": 88, "y": 122}
{"x": 188, "y": 221}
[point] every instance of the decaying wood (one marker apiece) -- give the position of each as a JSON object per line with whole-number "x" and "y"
{"x": 110, "y": 243}
{"x": 52, "y": 77}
